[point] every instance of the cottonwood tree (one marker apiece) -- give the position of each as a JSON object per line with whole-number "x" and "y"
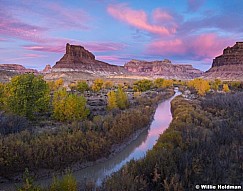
{"x": 26, "y": 95}
{"x": 117, "y": 99}
{"x": 142, "y": 85}
{"x": 111, "y": 100}
{"x": 226, "y": 88}
{"x": 122, "y": 99}
{"x": 200, "y": 85}
{"x": 82, "y": 86}
{"x": 97, "y": 85}
{"x": 163, "y": 83}
{"x": 69, "y": 107}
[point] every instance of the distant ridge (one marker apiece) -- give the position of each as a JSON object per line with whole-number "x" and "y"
{"x": 163, "y": 69}
{"x": 17, "y": 68}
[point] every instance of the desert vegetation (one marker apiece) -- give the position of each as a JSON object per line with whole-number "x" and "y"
{"x": 194, "y": 148}
{"x": 69, "y": 134}
{"x": 202, "y": 145}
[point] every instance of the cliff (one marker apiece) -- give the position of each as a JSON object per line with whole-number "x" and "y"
{"x": 163, "y": 69}
{"x": 77, "y": 58}
{"x": 229, "y": 65}
{"x": 16, "y": 68}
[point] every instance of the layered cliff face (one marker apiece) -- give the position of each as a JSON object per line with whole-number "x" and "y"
{"x": 16, "y": 68}
{"x": 163, "y": 69}
{"x": 229, "y": 65}
{"x": 77, "y": 59}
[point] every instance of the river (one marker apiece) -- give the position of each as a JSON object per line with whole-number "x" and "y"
{"x": 136, "y": 150}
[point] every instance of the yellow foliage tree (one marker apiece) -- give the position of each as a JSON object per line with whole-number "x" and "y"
{"x": 59, "y": 83}
{"x": 69, "y": 107}
{"x": 122, "y": 99}
{"x": 226, "y": 88}
{"x": 200, "y": 85}
{"x": 97, "y": 85}
{"x": 108, "y": 84}
{"x": 51, "y": 85}
{"x": 158, "y": 82}
{"x": 142, "y": 85}
{"x": 72, "y": 86}
{"x": 163, "y": 83}
{"x": 55, "y": 85}
{"x": 111, "y": 100}
{"x": 117, "y": 99}
{"x": 1, "y": 95}
{"x": 215, "y": 84}
{"x": 82, "y": 86}
{"x": 27, "y": 95}
{"x": 167, "y": 83}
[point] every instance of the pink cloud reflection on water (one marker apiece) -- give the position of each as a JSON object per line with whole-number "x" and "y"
{"x": 162, "y": 119}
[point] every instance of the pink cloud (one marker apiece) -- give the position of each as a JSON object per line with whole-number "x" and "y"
{"x": 205, "y": 46}
{"x": 208, "y": 45}
{"x": 160, "y": 15}
{"x": 65, "y": 17}
{"x": 3, "y": 39}
{"x": 46, "y": 48}
{"x": 138, "y": 19}
{"x": 166, "y": 47}
{"x": 58, "y": 46}
{"x": 33, "y": 55}
{"x": 109, "y": 58}
{"x": 103, "y": 46}
{"x": 13, "y": 27}
{"x": 49, "y": 16}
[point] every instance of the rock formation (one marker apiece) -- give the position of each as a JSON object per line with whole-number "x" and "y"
{"x": 77, "y": 58}
{"x": 163, "y": 69}
{"x": 80, "y": 62}
{"x": 229, "y": 65}
{"x": 16, "y": 68}
{"x": 47, "y": 69}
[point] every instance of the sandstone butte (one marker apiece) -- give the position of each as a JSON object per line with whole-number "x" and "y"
{"x": 78, "y": 59}
{"x": 229, "y": 65}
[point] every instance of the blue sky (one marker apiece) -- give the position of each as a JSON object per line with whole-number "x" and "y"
{"x": 34, "y": 33}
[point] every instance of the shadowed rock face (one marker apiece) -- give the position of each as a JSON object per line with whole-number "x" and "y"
{"x": 162, "y": 69}
{"x": 77, "y": 58}
{"x": 229, "y": 65}
{"x": 231, "y": 56}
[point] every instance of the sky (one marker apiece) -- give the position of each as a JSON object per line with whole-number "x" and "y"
{"x": 34, "y": 33}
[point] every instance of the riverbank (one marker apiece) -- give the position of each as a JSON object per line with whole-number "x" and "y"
{"x": 202, "y": 144}
{"x": 44, "y": 174}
